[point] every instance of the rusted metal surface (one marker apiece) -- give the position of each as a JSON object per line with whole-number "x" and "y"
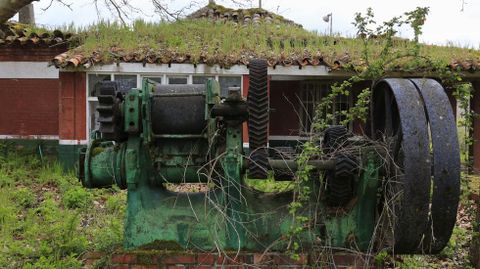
{"x": 446, "y": 164}
{"x": 399, "y": 118}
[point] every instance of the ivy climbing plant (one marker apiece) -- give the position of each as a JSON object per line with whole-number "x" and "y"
{"x": 377, "y": 64}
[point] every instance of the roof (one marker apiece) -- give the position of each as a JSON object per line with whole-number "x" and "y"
{"x": 228, "y": 37}
{"x": 241, "y": 16}
{"x": 21, "y": 35}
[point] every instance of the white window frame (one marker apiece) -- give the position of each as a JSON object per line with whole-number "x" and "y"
{"x": 317, "y": 86}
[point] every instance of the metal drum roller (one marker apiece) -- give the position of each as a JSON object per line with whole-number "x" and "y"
{"x": 178, "y": 109}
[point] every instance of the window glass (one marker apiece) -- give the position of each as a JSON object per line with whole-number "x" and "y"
{"x": 93, "y": 80}
{"x": 310, "y": 96}
{"x": 125, "y": 82}
{"x": 341, "y": 104}
{"x": 177, "y": 80}
{"x": 226, "y": 82}
{"x": 157, "y": 80}
{"x": 94, "y": 125}
{"x": 201, "y": 79}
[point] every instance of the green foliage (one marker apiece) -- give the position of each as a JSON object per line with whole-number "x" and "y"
{"x": 463, "y": 93}
{"x": 379, "y": 60}
{"x": 47, "y": 220}
{"x": 300, "y": 197}
{"x": 269, "y": 185}
{"x": 115, "y": 204}
{"x": 457, "y": 241}
{"x": 109, "y": 237}
{"x": 76, "y": 197}
{"x": 24, "y": 197}
{"x": 381, "y": 258}
{"x": 203, "y": 40}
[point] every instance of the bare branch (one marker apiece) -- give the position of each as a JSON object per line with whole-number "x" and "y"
{"x": 166, "y": 13}
{"x": 65, "y": 4}
{"x": 463, "y": 6}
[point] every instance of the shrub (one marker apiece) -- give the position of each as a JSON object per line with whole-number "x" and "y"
{"x": 24, "y": 197}
{"x": 115, "y": 204}
{"x": 77, "y": 197}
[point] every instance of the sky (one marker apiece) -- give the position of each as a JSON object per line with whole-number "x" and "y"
{"x": 446, "y": 23}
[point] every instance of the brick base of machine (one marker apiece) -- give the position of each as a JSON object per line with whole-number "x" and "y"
{"x": 163, "y": 260}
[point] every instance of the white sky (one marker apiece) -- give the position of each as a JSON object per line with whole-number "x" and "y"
{"x": 446, "y": 23}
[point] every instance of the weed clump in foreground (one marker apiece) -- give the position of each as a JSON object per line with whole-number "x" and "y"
{"x": 47, "y": 220}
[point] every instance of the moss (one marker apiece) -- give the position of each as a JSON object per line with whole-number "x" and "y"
{"x": 147, "y": 258}
{"x": 161, "y": 245}
{"x": 97, "y": 151}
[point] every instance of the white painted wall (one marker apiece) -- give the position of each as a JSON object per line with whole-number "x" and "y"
{"x": 203, "y": 69}
{"x": 25, "y": 70}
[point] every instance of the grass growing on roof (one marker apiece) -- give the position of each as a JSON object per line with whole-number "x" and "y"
{"x": 226, "y": 43}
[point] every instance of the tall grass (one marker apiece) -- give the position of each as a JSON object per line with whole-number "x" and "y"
{"x": 47, "y": 220}
{"x": 207, "y": 40}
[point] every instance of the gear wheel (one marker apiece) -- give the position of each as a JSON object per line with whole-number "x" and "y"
{"x": 258, "y": 109}
{"x": 340, "y": 182}
{"x": 110, "y": 116}
{"x": 334, "y": 137}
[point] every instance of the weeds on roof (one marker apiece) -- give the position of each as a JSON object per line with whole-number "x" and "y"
{"x": 203, "y": 40}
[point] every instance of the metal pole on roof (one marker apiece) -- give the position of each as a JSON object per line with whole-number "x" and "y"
{"x": 331, "y": 23}
{"x": 329, "y": 18}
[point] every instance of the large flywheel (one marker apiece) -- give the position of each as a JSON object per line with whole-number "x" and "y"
{"x": 415, "y": 119}
{"x": 446, "y": 165}
{"x": 258, "y": 109}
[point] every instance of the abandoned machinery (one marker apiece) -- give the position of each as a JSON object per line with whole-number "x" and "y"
{"x": 398, "y": 188}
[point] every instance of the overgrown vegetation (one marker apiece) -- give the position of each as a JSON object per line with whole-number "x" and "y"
{"x": 227, "y": 43}
{"x": 380, "y": 58}
{"x": 47, "y": 220}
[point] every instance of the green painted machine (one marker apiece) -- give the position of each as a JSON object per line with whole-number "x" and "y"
{"x": 157, "y": 136}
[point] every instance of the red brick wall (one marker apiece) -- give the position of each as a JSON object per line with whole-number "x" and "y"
{"x": 29, "y": 107}
{"x": 153, "y": 259}
{"x": 72, "y": 109}
{"x": 30, "y": 54}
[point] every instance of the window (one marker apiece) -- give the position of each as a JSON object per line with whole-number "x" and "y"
{"x": 93, "y": 83}
{"x": 157, "y": 80}
{"x": 92, "y": 111}
{"x": 126, "y": 82}
{"x": 201, "y": 79}
{"x": 226, "y": 82}
{"x": 311, "y": 94}
{"x": 177, "y": 80}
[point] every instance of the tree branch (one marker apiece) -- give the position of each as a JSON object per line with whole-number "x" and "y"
{"x": 8, "y": 8}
